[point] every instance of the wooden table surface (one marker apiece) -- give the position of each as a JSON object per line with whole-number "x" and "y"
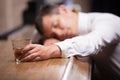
{"x": 52, "y": 69}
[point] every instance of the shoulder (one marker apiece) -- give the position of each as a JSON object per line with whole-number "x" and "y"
{"x": 103, "y": 15}
{"x": 98, "y": 15}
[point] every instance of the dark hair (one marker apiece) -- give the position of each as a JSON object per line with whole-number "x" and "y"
{"x": 47, "y": 9}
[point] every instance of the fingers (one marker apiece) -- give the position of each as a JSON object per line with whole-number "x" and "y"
{"x": 36, "y": 59}
{"x": 34, "y": 50}
{"x": 31, "y": 57}
{"x": 29, "y": 47}
{"x": 30, "y": 52}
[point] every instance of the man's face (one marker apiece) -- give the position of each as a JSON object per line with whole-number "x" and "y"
{"x": 59, "y": 26}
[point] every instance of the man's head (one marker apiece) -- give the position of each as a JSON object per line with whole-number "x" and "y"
{"x": 57, "y": 22}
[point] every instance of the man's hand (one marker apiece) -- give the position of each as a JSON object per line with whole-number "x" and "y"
{"x": 50, "y": 41}
{"x": 36, "y": 52}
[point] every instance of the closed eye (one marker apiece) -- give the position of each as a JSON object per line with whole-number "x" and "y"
{"x": 55, "y": 26}
{"x": 54, "y": 36}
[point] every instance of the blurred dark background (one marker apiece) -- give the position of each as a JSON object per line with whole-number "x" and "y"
{"x": 15, "y": 14}
{"x": 111, "y": 6}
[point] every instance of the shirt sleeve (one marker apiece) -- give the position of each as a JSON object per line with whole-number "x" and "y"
{"x": 91, "y": 43}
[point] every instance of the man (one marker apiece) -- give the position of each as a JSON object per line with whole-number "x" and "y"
{"x": 83, "y": 34}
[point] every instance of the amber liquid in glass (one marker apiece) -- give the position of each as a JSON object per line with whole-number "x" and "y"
{"x": 18, "y": 53}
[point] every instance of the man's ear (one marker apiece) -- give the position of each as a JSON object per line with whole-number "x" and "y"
{"x": 63, "y": 9}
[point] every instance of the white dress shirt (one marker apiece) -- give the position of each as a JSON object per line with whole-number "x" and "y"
{"x": 99, "y": 37}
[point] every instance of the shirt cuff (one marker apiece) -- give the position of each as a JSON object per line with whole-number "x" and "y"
{"x": 66, "y": 49}
{"x": 61, "y": 49}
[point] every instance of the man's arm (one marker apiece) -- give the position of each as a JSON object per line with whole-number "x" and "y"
{"x": 50, "y": 41}
{"x": 105, "y": 29}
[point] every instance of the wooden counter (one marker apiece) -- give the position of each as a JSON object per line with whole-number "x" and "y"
{"x": 52, "y": 69}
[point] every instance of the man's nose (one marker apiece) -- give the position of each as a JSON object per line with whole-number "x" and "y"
{"x": 58, "y": 33}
